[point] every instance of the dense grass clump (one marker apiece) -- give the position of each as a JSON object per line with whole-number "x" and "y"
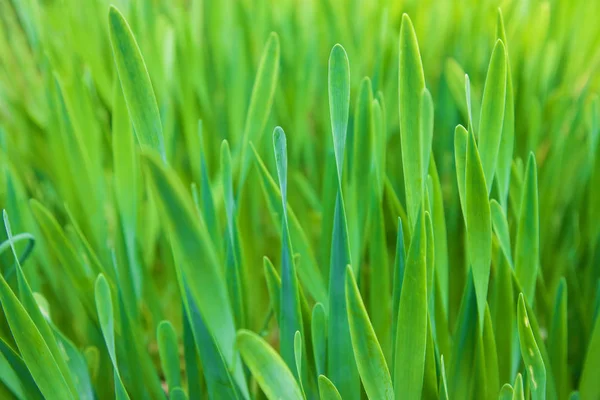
{"x": 299, "y": 199}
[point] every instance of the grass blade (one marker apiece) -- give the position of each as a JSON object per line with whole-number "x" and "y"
{"x": 261, "y": 100}
{"x": 492, "y": 113}
{"x": 371, "y": 363}
{"x": 169, "y": 353}
{"x": 411, "y": 87}
{"x": 479, "y": 225}
{"x": 411, "y": 335}
{"x": 527, "y": 246}
{"x": 536, "y": 370}
{"x": 327, "y": 389}
{"x": 136, "y": 85}
{"x": 270, "y": 371}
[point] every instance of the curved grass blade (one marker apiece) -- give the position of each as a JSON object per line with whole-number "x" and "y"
{"x": 411, "y": 80}
{"x": 26, "y": 384}
{"x": 319, "y": 337}
{"x": 506, "y": 392}
{"x": 169, "y": 353}
{"x": 136, "y": 85}
{"x": 32, "y": 308}
{"x": 270, "y": 371}
{"x": 341, "y": 366}
{"x": 479, "y": 225}
{"x": 261, "y": 100}
{"x": 371, "y": 363}
{"x": 327, "y": 389}
{"x": 105, "y": 317}
{"x": 411, "y": 335}
{"x": 34, "y": 350}
{"x": 527, "y": 246}
{"x": 536, "y": 370}
{"x": 492, "y": 113}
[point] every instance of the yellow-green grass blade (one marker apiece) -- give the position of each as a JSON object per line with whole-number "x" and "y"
{"x": 411, "y": 86}
{"x": 492, "y": 113}
{"x": 136, "y": 84}
{"x": 267, "y": 367}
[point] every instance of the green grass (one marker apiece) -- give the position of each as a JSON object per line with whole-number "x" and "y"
{"x": 299, "y": 199}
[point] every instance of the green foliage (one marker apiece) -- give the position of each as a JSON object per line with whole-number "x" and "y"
{"x": 423, "y": 224}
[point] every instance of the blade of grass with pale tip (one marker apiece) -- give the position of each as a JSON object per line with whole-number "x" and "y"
{"x": 270, "y": 371}
{"x": 470, "y": 126}
{"x": 318, "y": 331}
{"x": 136, "y": 84}
{"x": 411, "y": 86}
{"x": 500, "y": 226}
{"x": 443, "y": 382}
{"x": 104, "y": 306}
{"x": 411, "y": 334}
{"x": 518, "y": 393}
{"x": 233, "y": 267}
{"x": 327, "y": 389}
{"x": 506, "y": 392}
{"x": 341, "y": 365}
{"x": 290, "y": 318}
{"x": 188, "y": 235}
{"x": 558, "y": 341}
{"x": 492, "y": 113}
{"x": 536, "y": 370}
{"x": 527, "y": 246}
{"x": 261, "y": 100}
{"x": 309, "y": 274}
{"x": 168, "y": 350}
{"x": 479, "y": 225}
{"x": 588, "y": 385}
{"x": 461, "y": 137}
{"x": 371, "y": 363}
{"x": 399, "y": 266}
